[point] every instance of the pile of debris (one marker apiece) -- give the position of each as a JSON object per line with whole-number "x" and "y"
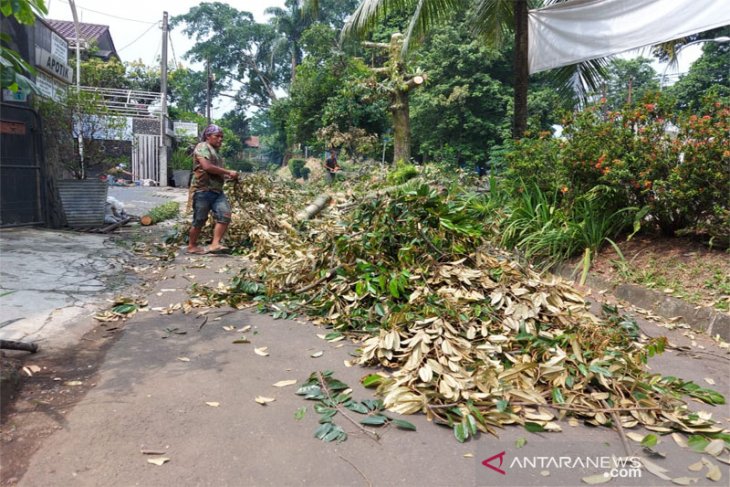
{"x": 475, "y": 338}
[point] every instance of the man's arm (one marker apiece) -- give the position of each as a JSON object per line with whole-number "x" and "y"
{"x": 211, "y": 168}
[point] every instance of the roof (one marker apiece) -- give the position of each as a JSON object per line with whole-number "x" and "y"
{"x": 252, "y": 142}
{"x": 87, "y": 32}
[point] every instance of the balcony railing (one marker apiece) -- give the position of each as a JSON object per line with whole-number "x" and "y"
{"x": 127, "y": 103}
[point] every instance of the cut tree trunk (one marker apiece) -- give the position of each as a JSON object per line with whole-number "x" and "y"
{"x": 401, "y": 127}
{"x": 314, "y": 208}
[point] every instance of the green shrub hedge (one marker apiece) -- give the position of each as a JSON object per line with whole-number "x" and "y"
{"x": 676, "y": 165}
{"x": 295, "y": 167}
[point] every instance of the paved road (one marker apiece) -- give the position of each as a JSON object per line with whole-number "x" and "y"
{"x": 50, "y": 280}
{"x": 138, "y": 200}
{"x": 145, "y": 397}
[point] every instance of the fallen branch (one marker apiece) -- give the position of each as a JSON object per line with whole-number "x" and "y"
{"x": 358, "y": 470}
{"x": 15, "y": 345}
{"x": 323, "y": 385}
{"x": 620, "y": 429}
{"x": 329, "y": 275}
{"x": 116, "y": 225}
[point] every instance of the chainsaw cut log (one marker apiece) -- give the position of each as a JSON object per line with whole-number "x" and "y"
{"x": 314, "y": 208}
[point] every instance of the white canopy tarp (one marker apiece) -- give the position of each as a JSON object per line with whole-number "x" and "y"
{"x": 579, "y": 30}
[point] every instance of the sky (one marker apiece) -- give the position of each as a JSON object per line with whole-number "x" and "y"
{"x": 136, "y": 30}
{"x": 135, "y": 27}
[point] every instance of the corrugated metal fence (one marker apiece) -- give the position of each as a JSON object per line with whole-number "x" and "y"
{"x": 83, "y": 201}
{"x": 146, "y": 157}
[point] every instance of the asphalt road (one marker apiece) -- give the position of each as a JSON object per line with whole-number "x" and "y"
{"x": 188, "y": 393}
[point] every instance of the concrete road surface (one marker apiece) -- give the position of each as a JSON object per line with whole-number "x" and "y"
{"x": 188, "y": 394}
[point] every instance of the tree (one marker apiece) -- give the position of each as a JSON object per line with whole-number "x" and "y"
{"x": 460, "y": 115}
{"x": 494, "y": 19}
{"x": 13, "y": 68}
{"x": 238, "y": 50}
{"x": 398, "y": 84}
{"x": 709, "y": 72}
{"x": 290, "y": 24}
{"x": 629, "y": 80}
{"x": 103, "y": 74}
{"x": 79, "y": 117}
{"x": 188, "y": 90}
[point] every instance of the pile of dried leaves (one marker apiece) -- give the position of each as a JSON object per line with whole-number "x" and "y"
{"x": 475, "y": 338}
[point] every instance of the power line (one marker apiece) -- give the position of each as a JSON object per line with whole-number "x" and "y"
{"x": 139, "y": 37}
{"x": 172, "y": 48}
{"x": 81, "y": 7}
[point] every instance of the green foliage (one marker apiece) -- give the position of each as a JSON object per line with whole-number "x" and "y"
{"x": 682, "y": 180}
{"x": 238, "y": 49}
{"x": 165, "y": 211}
{"x": 242, "y": 165}
{"x": 709, "y": 72}
{"x": 103, "y": 74}
{"x": 13, "y": 68}
{"x": 403, "y": 172}
{"x": 79, "y": 115}
{"x": 24, "y": 11}
{"x": 461, "y": 111}
{"x": 636, "y": 73}
{"x": 332, "y": 396}
{"x": 548, "y": 232}
{"x": 181, "y": 159}
{"x": 295, "y": 167}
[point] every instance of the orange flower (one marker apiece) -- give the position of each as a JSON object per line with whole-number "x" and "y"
{"x": 564, "y": 189}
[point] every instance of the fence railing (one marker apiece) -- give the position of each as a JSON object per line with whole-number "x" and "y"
{"x": 127, "y": 103}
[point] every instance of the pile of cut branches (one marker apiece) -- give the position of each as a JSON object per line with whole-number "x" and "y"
{"x": 475, "y": 338}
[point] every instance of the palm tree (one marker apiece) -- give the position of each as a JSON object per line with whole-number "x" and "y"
{"x": 290, "y": 23}
{"x": 493, "y": 19}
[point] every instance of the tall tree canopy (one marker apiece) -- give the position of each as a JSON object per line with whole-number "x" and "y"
{"x": 238, "y": 50}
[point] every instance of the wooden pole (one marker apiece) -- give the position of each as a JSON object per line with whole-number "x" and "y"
{"x": 15, "y": 345}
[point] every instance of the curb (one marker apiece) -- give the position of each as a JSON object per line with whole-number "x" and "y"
{"x": 701, "y": 318}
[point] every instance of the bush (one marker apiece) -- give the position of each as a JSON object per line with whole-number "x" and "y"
{"x": 242, "y": 165}
{"x": 402, "y": 173}
{"x": 304, "y": 171}
{"x": 181, "y": 159}
{"x": 295, "y": 167}
{"x": 682, "y": 180}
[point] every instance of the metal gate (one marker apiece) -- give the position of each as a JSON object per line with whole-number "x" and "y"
{"x": 21, "y": 176}
{"x": 146, "y": 157}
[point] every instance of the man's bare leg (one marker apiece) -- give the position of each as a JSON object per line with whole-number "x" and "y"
{"x": 193, "y": 240}
{"x": 218, "y": 231}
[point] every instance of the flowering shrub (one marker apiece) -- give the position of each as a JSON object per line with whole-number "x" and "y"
{"x": 683, "y": 179}
{"x": 699, "y": 186}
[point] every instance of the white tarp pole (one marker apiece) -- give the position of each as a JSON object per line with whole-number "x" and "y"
{"x": 578, "y": 30}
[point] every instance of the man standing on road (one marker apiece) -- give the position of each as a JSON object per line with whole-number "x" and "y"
{"x": 209, "y": 176}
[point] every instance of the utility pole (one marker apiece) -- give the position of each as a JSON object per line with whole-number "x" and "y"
{"x": 207, "y": 97}
{"x": 631, "y": 86}
{"x": 163, "y": 104}
{"x": 72, "y": 3}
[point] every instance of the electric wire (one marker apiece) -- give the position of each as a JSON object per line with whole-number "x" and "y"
{"x": 139, "y": 37}
{"x": 172, "y": 48}
{"x": 81, "y": 7}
